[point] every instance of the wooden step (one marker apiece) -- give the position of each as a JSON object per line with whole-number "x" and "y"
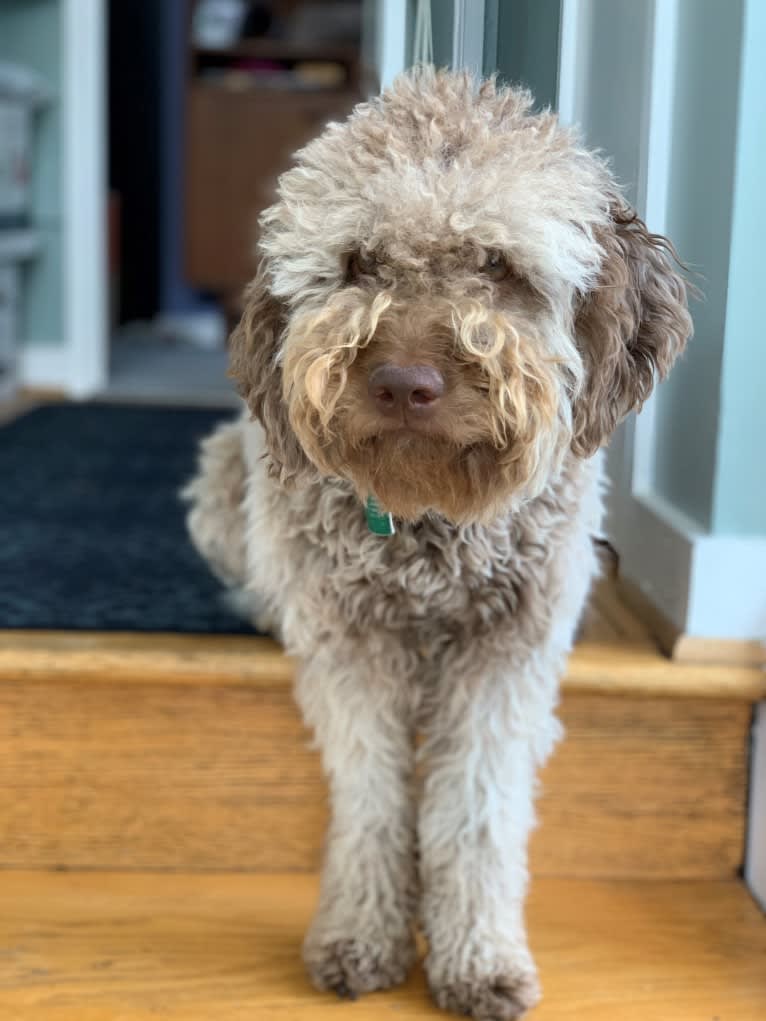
{"x": 143, "y": 947}
{"x": 613, "y": 667}
{"x": 176, "y": 752}
{"x": 164, "y": 753}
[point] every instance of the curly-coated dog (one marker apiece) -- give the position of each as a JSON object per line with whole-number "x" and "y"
{"x": 454, "y": 308}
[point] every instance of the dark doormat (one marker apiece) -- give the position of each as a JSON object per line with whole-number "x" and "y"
{"x": 92, "y": 533}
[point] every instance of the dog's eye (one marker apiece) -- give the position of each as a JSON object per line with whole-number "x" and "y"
{"x": 495, "y": 267}
{"x": 360, "y": 264}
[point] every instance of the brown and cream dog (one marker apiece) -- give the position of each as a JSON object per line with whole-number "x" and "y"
{"x": 455, "y": 307}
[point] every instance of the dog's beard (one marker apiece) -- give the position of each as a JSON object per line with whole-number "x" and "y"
{"x": 411, "y": 474}
{"x": 504, "y": 430}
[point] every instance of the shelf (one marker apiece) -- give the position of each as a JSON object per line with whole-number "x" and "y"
{"x": 281, "y": 49}
{"x": 288, "y": 94}
{"x": 16, "y": 245}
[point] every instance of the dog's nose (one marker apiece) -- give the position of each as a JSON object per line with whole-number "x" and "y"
{"x": 415, "y": 389}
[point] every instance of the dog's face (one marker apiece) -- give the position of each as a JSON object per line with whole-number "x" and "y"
{"x": 452, "y": 295}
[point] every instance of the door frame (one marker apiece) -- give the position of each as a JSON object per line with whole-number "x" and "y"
{"x": 84, "y": 194}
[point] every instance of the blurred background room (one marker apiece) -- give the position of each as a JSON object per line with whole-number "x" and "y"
{"x": 163, "y": 127}
{"x": 227, "y": 91}
{"x": 154, "y": 135}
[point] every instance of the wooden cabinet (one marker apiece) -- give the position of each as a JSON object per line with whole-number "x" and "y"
{"x": 238, "y": 144}
{"x": 238, "y": 140}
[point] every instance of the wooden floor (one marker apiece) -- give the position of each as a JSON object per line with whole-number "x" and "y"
{"x": 122, "y": 947}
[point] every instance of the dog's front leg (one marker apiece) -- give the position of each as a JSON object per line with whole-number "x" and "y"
{"x": 491, "y": 723}
{"x": 361, "y": 938}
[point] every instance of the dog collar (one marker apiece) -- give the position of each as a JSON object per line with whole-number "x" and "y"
{"x": 379, "y": 522}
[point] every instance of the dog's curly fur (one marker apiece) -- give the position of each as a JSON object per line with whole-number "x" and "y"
{"x": 444, "y": 223}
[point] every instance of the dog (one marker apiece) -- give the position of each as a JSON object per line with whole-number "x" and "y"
{"x": 454, "y": 308}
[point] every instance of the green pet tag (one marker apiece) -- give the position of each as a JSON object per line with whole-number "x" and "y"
{"x": 378, "y": 521}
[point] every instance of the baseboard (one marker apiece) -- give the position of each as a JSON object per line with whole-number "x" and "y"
{"x": 686, "y": 648}
{"x": 55, "y": 369}
{"x": 727, "y": 595}
{"x": 45, "y": 367}
{"x": 737, "y": 652}
{"x": 704, "y": 587}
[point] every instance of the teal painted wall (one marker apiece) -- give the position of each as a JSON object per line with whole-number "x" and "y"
{"x": 522, "y": 43}
{"x": 740, "y": 484}
{"x": 613, "y": 65}
{"x": 442, "y": 21}
{"x": 30, "y": 32}
{"x": 699, "y": 222}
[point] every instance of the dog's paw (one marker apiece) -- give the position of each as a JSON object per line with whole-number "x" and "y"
{"x": 504, "y": 996}
{"x": 350, "y": 967}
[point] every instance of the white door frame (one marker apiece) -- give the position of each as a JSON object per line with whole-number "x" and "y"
{"x": 390, "y": 39}
{"x": 75, "y": 360}
{"x": 84, "y": 194}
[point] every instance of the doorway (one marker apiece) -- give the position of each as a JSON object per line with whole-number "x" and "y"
{"x": 207, "y": 103}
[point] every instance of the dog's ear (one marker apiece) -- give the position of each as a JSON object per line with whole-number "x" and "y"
{"x": 630, "y": 328}
{"x": 254, "y": 365}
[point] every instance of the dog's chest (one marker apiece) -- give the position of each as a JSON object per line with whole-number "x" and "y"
{"x": 419, "y": 575}
{"x": 425, "y": 576}
{"x": 318, "y": 566}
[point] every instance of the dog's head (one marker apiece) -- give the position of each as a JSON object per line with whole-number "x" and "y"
{"x": 452, "y": 294}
